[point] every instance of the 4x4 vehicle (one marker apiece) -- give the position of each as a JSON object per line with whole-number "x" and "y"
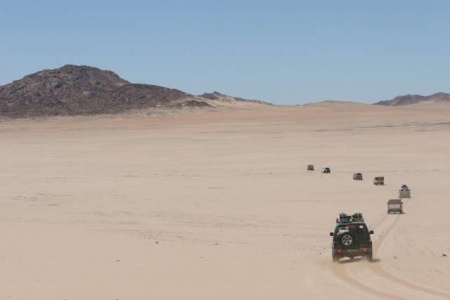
{"x": 357, "y": 176}
{"x": 395, "y": 206}
{"x": 351, "y": 237}
{"x": 404, "y": 192}
{"x": 379, "y": 180}
{"x": 325, "y": 170}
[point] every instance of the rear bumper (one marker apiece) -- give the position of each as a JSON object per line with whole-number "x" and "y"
{"x": 339, "y": 253}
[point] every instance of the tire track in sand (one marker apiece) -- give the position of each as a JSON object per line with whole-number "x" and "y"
{"x": 380, "y": 271}
{"x": 344, "y": 273}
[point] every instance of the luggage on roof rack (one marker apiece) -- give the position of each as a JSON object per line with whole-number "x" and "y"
{"x": 344, "y": 218}
{"x": 357, "y": 217}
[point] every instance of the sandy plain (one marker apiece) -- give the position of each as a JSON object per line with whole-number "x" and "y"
{"x": 219, "y": 205}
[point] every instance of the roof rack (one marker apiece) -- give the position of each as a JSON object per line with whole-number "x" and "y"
{"x": 344, "y": 218}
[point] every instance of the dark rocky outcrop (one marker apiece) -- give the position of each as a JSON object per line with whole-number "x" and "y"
{"x": 413, "y": 99}
{"x": 83, "y": 90}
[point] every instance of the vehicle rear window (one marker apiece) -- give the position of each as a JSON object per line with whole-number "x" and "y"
{"x": 352, "y": 228}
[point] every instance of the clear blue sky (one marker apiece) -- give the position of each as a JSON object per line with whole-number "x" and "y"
{"x": 284, "y": 52}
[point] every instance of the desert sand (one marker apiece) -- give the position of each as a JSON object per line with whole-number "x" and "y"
{"x": 219, "y": 205}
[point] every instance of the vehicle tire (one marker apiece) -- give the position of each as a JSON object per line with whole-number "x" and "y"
{"x": 370, "y": 257}
{"x": 335, "y": 257}
{"x": 347, "y": 239}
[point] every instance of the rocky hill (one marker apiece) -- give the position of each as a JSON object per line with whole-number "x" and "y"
{"x": 222, "y": 97}
{"x": 83, "y": 90}
{"x": 413, "y": 99}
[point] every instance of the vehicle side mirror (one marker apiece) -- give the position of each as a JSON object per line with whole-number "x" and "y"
{"x": 331, "y": 234}
{"x": 371, "y": 232}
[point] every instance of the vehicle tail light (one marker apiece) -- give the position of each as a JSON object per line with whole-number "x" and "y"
{"x": 365, "y": 250}
{"x": 340, "y": 251}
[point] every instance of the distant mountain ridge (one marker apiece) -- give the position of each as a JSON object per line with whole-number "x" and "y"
{"x": 413, "y": 99}
{"x": 84, "y": 90}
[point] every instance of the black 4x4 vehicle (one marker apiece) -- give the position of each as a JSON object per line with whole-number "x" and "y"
{"x": 351, "y": 237}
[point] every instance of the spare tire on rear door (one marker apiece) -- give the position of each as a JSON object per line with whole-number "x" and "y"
{"x": 347, "y": 239}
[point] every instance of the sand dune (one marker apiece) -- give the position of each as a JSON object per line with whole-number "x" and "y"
{"x": 219, "y": 205}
